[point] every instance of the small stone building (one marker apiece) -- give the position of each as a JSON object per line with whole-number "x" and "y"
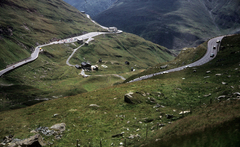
{"x": 112, "y": 29}
{"x": 86, "y": 66}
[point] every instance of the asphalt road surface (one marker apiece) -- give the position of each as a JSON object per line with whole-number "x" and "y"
{"x": 34, "y": 55}
{"x": 206, "y": 58}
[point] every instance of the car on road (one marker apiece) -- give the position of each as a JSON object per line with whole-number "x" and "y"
{"x": 218, "y": 41}
{"x": 214, "y": 47}
{"x": 212, "y": 55}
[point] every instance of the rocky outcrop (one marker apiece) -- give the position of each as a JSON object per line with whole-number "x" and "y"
{"x": 33, "y": 141}
{"x": 6, "y": 31}
{"x": 131, "y": 99}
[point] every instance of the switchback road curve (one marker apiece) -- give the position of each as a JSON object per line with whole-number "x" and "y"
{"x": 34, "y": 55}
{"x": 205, "y": 59}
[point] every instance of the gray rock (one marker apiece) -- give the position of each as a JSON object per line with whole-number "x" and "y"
{"x": 158, "y": 106}
{"x": 207, "y": 72}
{"x": 35, "y": 141}
{"x": 7, "y": 139}
{"x": 94, "y": 105}
{"x": 128, "y": 98}
{"x": 208, "y": 95}
{"x": 221, "y": 97}
{"x": 59, "y": 127}
{"x": 134, "y": 136}
{"x": 237, "y": 93}
{"x": 218, "y": 74}
{"x": 118, "y": 135}
{"x": 45, "y": 131}
{"x": 224, "y": 83}
{"x": 164, "y": 66}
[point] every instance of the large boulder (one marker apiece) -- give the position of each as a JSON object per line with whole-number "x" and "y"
{"x": 59, "y": 127}
{"x": 131, "y": 99}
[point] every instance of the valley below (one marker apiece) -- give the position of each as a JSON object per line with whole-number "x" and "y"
{"x": 142, "y": 93}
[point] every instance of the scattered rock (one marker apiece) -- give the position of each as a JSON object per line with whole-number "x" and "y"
{"x": 33, "y": 131}
{"x": 184, "y": 112}
{"x": 34, "y": 141}
{"x": 151, "y": 100}
{"x": 7, "y": 139}
{"x": 208, "y": 95}
{"x": 104, "y": 66}
{"x": 129, "y": 98}
{"x": 134, "y": 136}
{"x": 118, "y": 135}
{"x": 221, "y": 97}
{"x": 161, "y": 125}
{"x": 218, "y": 74}
{"x": 158, "y": 106}
{"x": 57, "y": 137}
{"x": 94, "y": 105}
{"x": 169, "y": 116}
{"x": 54, "y": 115}
{"x": 237, "y": 93}
{"x": 45, "y": 131}
{"x": 224, "y": 83}
{"x": 207, "y": 72}
{"x": 59, "y": 127}
{"x": 164, "y": 66}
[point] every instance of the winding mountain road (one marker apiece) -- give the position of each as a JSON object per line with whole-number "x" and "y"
{"x": 206, "y": 58}
{"x": 35, "y": 54}
{"x": 89, "y": 36}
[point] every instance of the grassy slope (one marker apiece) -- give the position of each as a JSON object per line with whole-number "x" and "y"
{"x": 36, "y": 22}
{"x": 49, "y": 76}
{"x": 92, "y": 124}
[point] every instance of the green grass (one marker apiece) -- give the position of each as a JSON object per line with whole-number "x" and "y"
{"x": 49, "y": 76}
{"x": 92, "y": 124}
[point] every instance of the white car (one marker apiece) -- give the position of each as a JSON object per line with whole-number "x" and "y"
{"x": 214, "y": 47}
{"x": 218, "y": 41}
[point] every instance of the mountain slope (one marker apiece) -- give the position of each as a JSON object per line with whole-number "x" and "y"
{"x": 174, "y": 23}
{"x": 91, "y": 7}
{"x": 214, "y": 107}
{"x": 24, "y": 25}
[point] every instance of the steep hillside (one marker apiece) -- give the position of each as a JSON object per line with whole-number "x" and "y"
{"x": 24, "y": 25}
{"x": 198, "y": 106}
{"x": 174, "y": 23}
{"x": 91, "y": 7}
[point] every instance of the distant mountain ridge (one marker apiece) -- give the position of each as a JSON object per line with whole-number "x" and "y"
{"x": 91, "y": 7}
{"x": 174, "y": 23}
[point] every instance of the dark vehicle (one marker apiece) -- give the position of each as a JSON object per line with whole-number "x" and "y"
{"x": 212, "y": 55}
